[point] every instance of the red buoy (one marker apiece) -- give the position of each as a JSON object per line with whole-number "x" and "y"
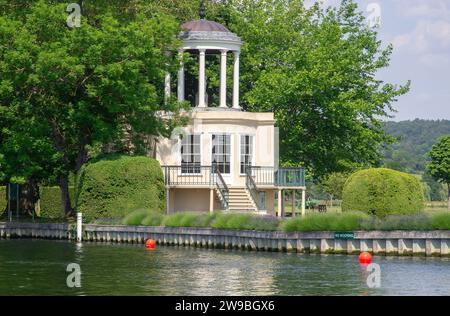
{"x": 150, "y": 244}
{"x": 365, "y": 258}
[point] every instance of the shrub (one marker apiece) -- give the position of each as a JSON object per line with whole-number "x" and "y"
{"x": 398, "y": 222}
{"x": 115, "y": 185}
{"x": 326, "y": 222}
{"x": 382, "y": 192}
{"x": 51, "y": 204}
{"x": 136, "y": 217}
{"x": 441, "y": 220}
{"x": 3, "y": 199}
{"x": 245, "y": 221}
{"x": 153, "y": 219}
{"x": 187, "y": 219}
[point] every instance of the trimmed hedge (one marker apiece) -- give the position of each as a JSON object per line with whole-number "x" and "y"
{"x": 51, "y": 205}
{"x": 381, "y": 192}
{"x": 3, "y": 200}
{"x": 116, "y": 185}
{"x": 50, "y": 202}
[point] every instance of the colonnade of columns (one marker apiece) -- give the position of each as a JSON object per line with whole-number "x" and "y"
{"x": 202, "y": 79}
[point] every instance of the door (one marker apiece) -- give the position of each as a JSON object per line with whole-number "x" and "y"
{"x": 221, "y": 155}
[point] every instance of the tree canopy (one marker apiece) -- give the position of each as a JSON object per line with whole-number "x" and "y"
{"x": 63, "y": 90}
{"x": 439, "y": 166}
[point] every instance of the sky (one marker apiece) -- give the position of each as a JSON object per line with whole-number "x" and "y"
{"x": 420, "y": 33}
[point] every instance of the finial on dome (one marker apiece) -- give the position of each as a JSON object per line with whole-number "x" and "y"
{"x": 202, "y": 10}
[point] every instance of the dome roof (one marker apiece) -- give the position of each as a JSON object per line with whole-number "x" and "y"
{"x": 204, "y": 26}
{"x": 208, "y": 34}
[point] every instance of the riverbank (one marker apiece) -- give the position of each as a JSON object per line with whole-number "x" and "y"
{"x": 396, "y": 243}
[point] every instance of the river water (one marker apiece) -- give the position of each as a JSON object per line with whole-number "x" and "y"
{"x": 38, "y": 267}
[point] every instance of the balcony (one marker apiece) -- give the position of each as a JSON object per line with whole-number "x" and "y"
{"x": 204, "y": 176}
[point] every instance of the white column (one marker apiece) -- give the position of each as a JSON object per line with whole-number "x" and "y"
{"x": 211, "y": 201}
{"x": 223, "y": 79}
{"x": 201, "y": 80}
{"x": 280, "y": 203}
{"x": 293, "y": 203}
{"x": 303, "y": 202}
{"x": 181, "y": 79}
{"x": 236, "y": 81}
{"x": 167, "y": 88}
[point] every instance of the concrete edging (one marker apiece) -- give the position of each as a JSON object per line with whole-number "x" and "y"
{"x": 404, "y": 243}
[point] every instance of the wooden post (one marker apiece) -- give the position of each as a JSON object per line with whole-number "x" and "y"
{"x": 211, "y": 201}
{"x": 303, "y": 202}
{"x": 293, "y": 203}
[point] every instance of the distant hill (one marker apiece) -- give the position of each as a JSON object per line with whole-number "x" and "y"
{"x": 415, "y": 140}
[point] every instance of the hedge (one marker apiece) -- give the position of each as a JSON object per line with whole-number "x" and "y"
{"x": 50, "y": 202}
{"x": 3, "y": 201}
{"x": 51, "y": 205}
{"x": 381, "y": 192}
{"x": 115, "y": 185}
{"x": 347, "y": 221}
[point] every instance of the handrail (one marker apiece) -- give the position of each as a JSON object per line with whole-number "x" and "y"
{"x": 251, "y": 186}
{"x": 222, "y": 187}
{"x": 192, "y": 175}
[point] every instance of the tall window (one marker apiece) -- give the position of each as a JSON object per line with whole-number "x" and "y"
{"x": 190, "y": 154}
{"x": 221, "y": 152}
{"x": 246, "y": 151}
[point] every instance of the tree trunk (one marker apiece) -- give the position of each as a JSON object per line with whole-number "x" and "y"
{"x": 65, "y": 196}
{"x": 29, "y": 197}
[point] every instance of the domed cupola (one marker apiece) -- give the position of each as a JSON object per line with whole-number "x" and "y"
{"x": 203, "y": 36}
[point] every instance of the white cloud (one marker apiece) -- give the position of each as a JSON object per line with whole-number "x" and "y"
{"x": 427, "y": 37}
{"x": 423, "y": 8}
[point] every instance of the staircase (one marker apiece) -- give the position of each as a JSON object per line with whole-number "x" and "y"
{"x": 240, "y": 200}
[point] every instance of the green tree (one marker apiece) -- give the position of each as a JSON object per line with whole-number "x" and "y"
{"x": 439, "y": 167}
{"x": 333, "y": 184}
{"x": 316, "y": 70}
{"x": 63, "y": 90}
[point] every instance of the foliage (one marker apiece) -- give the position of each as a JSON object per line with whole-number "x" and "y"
{"x": 136, "y": 217}
{"x": 3, "y": 199}
{"x": 333, "y": 184}
{"x": 414, "y": 140}
{"x": 347, "y": 221}
{"x": 215, "y": 220}
{"x": 187, "y": 219}
{"x": 50, "y": 202}
{"x": 439, "y": 166}
{"x": 315, "y": 69}
{"x": 115, "y": 185}
{"x": 63, "y": 90}
{"x": 245, "y": 222}
{"x": 382, "y": 192}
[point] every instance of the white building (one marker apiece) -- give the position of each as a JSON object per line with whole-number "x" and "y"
{"x": 225, "y": 158}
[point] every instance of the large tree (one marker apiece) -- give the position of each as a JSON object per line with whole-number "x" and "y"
{"x": 316, "y": 70}
{"x": 63, "y": 90}
{"x": 439, "y": 167}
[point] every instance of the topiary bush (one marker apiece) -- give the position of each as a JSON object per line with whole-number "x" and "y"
{"x": 382, "y": 192}
{"x": 113, "y": 186}
{"x": 50, "y": 202}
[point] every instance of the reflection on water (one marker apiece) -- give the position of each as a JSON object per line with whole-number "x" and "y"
{"x": 30, "y": 267}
